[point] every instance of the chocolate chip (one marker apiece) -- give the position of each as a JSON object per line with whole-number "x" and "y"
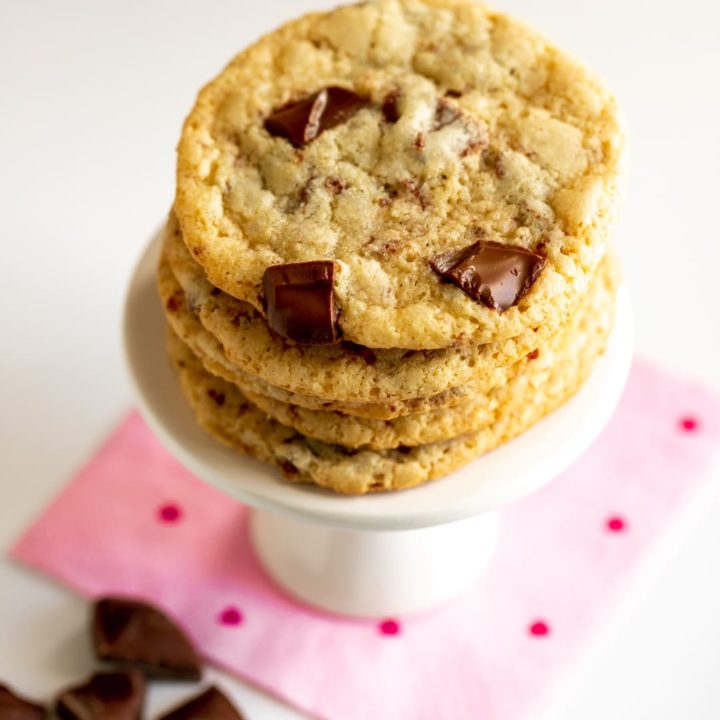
{"x": 445, "y": 114}
{"x": 299, "y": 301}
{"x": 105, "y": 696}
{"x": 389, "y": 107}
{"x": 174, "y": 303}
{"x": 493, "y": 160}
{"x": 138, "y": 635}
{"x": 534, "y": 355}
{"x": 334, "y": 185}
{"x": 418, "y": 192}
{"x": 365, "y": 353}
{"x": 302, "y": 121}
{"x": 218, "y": 397}
{"x": 14, "y": 707}
{"x": 288, "y": 468}
{"x": 453, "y": 94}
{"x": 209, "y": 705}
{"x": 494, "y": 274}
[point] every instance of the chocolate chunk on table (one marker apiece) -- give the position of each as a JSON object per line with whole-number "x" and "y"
{"x": 209, "y": 705}
{"x": 302, "y": 121}
{"x": 138, "y": 635}
{"x": 299, "y": 301}
{"x": 104, "y": 696}
{"x": 494, "y": 274}
{"x": 15, "y": 707}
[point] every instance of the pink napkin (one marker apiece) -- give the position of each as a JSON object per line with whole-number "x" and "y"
{"x": 135, "y": 522}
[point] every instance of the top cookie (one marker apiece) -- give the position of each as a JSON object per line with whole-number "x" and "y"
{"x": 443, "y": 174}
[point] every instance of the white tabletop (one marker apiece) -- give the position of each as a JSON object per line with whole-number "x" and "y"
{"x": 93, "y": 94}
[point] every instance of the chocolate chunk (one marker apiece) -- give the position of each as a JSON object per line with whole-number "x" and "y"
{"x": 217, "y": 397}
{"x": 365, "y": 353}
{"x": 299, "y": 301}
{"x": 445, "y": 114}
{"x": 209, "y": 705}
{"x": 496, "y": 275}
{"x": 389, "y": 107}
{"x": 14, "y": 707}
{"x": 105, "y": 696}
{"x": 288, "y": 468}
{"x": 138, "y": 635}
{"x": 302, "y": 121}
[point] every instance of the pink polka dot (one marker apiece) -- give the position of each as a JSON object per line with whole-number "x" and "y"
{"x": 689, "y": 424}
{"x": 169, "y": 513}
{"x": 616, "y": 524}
{"x": 539, "y": 628}
{"x": 230, "y": 616}
{"x": 389, "y": 627}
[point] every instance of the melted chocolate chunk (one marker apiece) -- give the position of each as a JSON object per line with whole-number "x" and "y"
{"x": 445, "y": 114}
{"x": 288, "y": 468}
{"x": 105, "y": 696}
{"x": 496, "y": 275}
{"x": 365, "y": 353}
{"x": 217, "y": 397}
{"x": 389, "y": 107}
{"x": 209, "y": 705}
{"x": 299, "y": 301}
{"x": 14, "y": 707}
{"x": 138, "y": 635}
{"x": 302, "y": 121}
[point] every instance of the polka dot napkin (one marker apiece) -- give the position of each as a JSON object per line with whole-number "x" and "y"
{"x": 134, "y": 522}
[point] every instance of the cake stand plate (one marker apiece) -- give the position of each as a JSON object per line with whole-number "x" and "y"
{"x": 381, "y": 554}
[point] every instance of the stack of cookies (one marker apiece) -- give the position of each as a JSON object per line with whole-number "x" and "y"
{"x": 388, "y": 252}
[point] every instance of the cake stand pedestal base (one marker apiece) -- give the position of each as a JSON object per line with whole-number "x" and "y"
{"x": 373, "y": 573}
{"x": 385, "y": 553}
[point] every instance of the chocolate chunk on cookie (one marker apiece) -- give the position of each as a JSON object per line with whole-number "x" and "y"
{"x": 304, "y": 120}
{"x": 299, "y": 301}
{"x": 496, "y": 275}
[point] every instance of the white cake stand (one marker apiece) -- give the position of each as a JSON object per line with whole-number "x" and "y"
{"x": 377, "y": 555}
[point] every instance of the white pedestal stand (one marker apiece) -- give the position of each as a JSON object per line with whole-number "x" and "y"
{"x": 377, "y": 555}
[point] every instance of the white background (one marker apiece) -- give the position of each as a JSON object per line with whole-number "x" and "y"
{"x": 92, "y": 95}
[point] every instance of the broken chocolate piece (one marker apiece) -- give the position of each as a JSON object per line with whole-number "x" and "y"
{"x": 138, "y": 635}
{"x": 494, "y": 274}
{"x": 105, "y": 696}
{"x": 299, "y": 301}
{"x": 209, "y": 705}
{"x": 14, "y": 707}
{"x": 302, "y": 121}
